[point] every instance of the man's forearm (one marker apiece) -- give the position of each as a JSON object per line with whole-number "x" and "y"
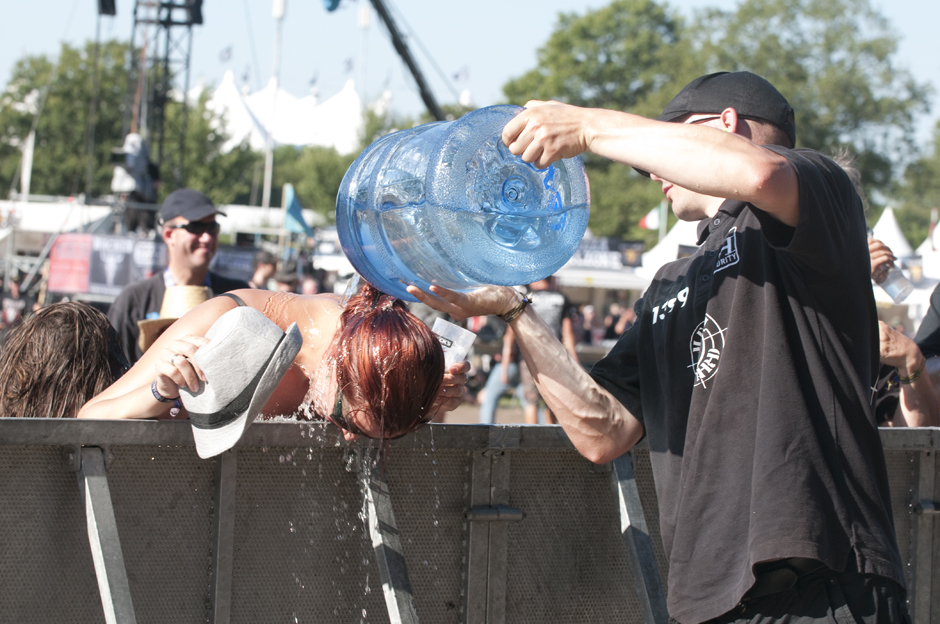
{"x": 599, "y": 426}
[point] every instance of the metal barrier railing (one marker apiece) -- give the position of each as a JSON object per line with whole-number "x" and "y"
{"x": 462, "y": 523}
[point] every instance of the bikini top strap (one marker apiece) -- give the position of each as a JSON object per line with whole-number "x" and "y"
{"x": 237, "y": 299}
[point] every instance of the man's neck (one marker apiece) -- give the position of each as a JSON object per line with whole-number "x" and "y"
{"x": 183, "y": 276}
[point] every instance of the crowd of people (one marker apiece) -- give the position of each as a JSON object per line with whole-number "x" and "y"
{"x": 749, "y": 366}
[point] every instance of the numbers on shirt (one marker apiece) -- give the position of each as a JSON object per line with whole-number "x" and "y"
{"x": 660, "y": 311}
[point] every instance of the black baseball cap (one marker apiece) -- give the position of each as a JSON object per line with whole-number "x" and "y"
{"x": 749, "y": 94}
{"x": 189, "y": 204}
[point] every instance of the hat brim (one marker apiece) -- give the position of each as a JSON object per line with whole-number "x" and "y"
{"x": 150, "y": 330}
{"x": 211, "y": 442}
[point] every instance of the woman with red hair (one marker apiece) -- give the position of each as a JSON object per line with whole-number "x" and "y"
{"x": 370, "y": 366}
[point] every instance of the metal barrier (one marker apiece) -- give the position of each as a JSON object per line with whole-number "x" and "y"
{"x": 459, "y": 523}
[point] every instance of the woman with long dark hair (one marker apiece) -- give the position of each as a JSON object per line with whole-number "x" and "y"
{"x": 56, "y": 360}
{"x": 370, "y": 366}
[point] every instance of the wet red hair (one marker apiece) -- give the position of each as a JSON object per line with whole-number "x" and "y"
{"x": 389, "y": 363}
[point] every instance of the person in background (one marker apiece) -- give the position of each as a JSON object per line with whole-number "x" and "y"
{"x": 263, "y": 266}
{"x": 286, "y": 278}
{"x": 57, "y": 359}
{"x": 905, "y": 396}
{"x": 588, "y": 327}
{"x": 617, "y": 321}
{"x": 310, "y": 285}
{"x": 15, "y": 304}
{"x": 504, "y": 374}
{"x": 191, "y": 234}
{"x": 555, "y": 309}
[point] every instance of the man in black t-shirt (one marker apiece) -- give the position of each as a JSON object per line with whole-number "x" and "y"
{"x": 191, "y": 234}
{"x": 750, "y": 365}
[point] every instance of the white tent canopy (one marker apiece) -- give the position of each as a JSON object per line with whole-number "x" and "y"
{"x": 336, "y": 122}
{"x": 683, "y": 233}
{"x": 889, "y": 232}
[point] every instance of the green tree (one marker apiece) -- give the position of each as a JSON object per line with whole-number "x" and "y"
{"x": 834, "y": 61}
{"x": 630, "y": 55}
{"x": 919, "y": 193}
{"x": 225, "y": 178}
{"x": 59, "y": 163}
{"x": 59, "y": 156}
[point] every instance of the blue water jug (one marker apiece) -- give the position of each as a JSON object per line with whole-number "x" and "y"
{"x": 447, "y": 203}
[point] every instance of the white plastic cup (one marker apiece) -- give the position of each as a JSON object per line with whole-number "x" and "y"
{"x": 896, "y": 285}
{"x": 455, "y": 340}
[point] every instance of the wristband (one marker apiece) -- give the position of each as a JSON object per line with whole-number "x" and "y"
{"x": 516, "y": 311}
{"x": 156, "y": 394}
{"x": 913, "y": 377}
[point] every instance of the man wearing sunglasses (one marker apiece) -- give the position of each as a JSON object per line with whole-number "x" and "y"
{"x": 191, "y": 235}
{"x": 749, "y": 368}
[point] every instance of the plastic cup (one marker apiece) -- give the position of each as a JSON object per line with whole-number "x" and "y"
{"x": 896, "y": 285}
{"x": 455, "y": 340}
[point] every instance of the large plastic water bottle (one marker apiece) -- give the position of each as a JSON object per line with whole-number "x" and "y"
{"x": 447, "y": 203}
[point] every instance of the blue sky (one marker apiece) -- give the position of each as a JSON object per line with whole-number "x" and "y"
{"x": 486, "y": 42}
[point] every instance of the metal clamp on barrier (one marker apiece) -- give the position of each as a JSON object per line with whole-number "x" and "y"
{"x": 494, "y": 513}
{"x": 927, "y": 507}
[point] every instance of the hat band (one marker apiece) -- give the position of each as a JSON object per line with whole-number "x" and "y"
{"x": 238, "y": 405}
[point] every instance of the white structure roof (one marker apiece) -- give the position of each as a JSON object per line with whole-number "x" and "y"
{"x": 889, "y": 232}
{"x": 336, "y": 122}
{"x": 667, "y": 250}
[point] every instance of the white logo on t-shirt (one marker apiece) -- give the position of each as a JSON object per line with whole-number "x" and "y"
{"x": 728, "y": 254}
{"x": 708, "y": 340}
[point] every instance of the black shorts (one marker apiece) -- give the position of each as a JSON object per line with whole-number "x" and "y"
{"x": 830, "y": 597}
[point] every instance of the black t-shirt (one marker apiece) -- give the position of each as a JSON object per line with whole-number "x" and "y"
{"x": 15, "y": 309}
{"x": 751, "y": 365}
{"x": 553, "y": 307}
{"x": 928, "y": 334}
{"x": 144, "y": 298}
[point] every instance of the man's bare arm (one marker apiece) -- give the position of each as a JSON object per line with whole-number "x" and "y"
{"x": 598, "y": 425}
{"x": 696, "y": 157}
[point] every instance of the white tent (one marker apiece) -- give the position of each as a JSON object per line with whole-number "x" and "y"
{"x": 889, "y": 232}
{"x": 336, "y": 122}
{"x": 683, "y": 233}
{"x": 240, "y": 122}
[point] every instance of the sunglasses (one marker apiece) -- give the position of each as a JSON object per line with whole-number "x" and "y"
{"x": 338, "y": 419}
{"x": 198, "y": 228}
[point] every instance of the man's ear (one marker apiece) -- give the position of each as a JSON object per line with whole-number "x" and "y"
{"x": 729, "y": 120}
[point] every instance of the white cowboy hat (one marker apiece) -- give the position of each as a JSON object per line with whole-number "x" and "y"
{"x": 244, "y": 361}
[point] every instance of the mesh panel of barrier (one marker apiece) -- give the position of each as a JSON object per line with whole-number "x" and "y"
{"x": 46, "y": 570}
{"x": 901, "y": 473}
{"x": 302, "y": 552}
{"x": 567, "y": 561}
{"x": 428, "y": 489}
{"x": 164, "y": 500}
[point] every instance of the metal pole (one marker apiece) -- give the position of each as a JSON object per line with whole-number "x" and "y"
{"x": 402, "y": 48}
{"x": 92, "y": 110}
{"x": 104, "y": 540}
{"x": 223, "y": 539}
{"x": 386, "y": 543}
{"x": 636, "y": 538}
{"x": 279, "y": 9}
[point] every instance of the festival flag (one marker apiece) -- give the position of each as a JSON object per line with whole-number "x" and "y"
{"x": 651, "y": 220}
{"x": 293, "y": 214}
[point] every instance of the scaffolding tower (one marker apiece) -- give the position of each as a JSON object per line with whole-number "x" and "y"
{"x": 161, "y": 47}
